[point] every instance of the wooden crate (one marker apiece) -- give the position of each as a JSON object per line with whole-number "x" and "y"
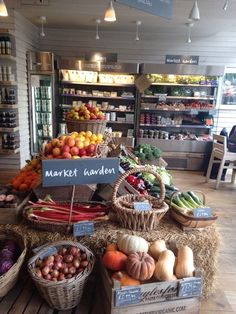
{"x": 182, "y": 296}
{"x": 12, "y": 215}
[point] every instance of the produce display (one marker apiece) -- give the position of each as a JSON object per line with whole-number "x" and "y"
{"x": 74, "y": 145}
{"x": 49, "y": 211}
{"x": 66, "y": 263}
{"x": 8, "y": 200}
{"x": 8, "y": 255}
{"x": 183, "y": 79}
{"x": 185, "y": 202}
{"x": 132, "y": 261}
{"x": 147, "y": 152}
{"x": 85, "y": 112}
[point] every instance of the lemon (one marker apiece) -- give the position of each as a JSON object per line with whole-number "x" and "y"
{"x": 88, "y": 134}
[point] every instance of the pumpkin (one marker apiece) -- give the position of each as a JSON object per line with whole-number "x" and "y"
{"x": 140, "y": 265}
{"x": 185, "y": 265}
{"x": 114, "y": 260}
{"x": 156, "y": 248}
{"x": 164, "y": 270}
{"x": 111, "y": 247}
{"x": 130, "y": 243}
{"x": 125, "y": 279}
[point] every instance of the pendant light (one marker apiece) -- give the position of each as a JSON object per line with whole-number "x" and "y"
{"x": 43, "y": 21}
{"x": 138, "y": 23}
{"x": 225, "y": 7}
{"x": 190, "y": 26}
{"x": 3, "y": 9}
{"x": 110, "y": 14}
{"x": 194, "y": 14}
{"x": 97, "y": 34}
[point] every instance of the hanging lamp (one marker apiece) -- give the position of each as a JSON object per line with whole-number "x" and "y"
{"x": 190, "y": 26}
{"x": 225, "y": 7}
{"x": 138, "y": 23}
{"x": 97, "y": 34}
{"x": 110, "y": 14}
{"x": 43, "y": 21}
{"x": 3, "y": 9}
{"x": 194, "y": 14}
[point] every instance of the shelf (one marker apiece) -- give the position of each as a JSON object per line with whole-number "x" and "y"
{"x": 8, "y": 106}
{"x": 117, "y": 110}
{"x": 7, "y": 57}
{"x": 95, "y": 97}
{"x": 8, "y": 83}
{"x": 9, "y": 151}
{"x": 177, "y": 126}
{"x": 180, "y": 97}
{"x": 213, "y": 111}
{"x": 98, "y": 84}
{"x": 6, "y": 31}
{"x": 190, "y": 85}
{"x": 117, "y": 122}
{"x": 9, "y": 129}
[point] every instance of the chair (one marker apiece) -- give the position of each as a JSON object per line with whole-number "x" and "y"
{"x": 220, "y": 151}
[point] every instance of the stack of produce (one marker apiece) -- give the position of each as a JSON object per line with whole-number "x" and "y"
{"x": 8, "y": 255}
{"x": 133, "y": 261}
{"x": 186, "y": 202}
{"x": 8, "y": 200}
{"x": 74, "y": 145}
{"x": 147, "y": 152}
{"x": 85, "y": 112}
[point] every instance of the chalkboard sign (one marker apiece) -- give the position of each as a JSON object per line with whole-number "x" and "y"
{"x": 127, "y": 296}
{"x": 202, "y": 212}
{"x": 50, "y": 251}
{"x": 83, "y": 228}
{"x": 178, "y": 59}
{"x": 194, "y": 111}
{"x": 62, "y": 172}
{"x": 142, "y": 206}
{"x": 156, "y": 7}
{"x": 190, "y": 287}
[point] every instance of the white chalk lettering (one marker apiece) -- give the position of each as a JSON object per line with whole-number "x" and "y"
{"x": 63, "y": 173}
{"x": 100, "y": 171}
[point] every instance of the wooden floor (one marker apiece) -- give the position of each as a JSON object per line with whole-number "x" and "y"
{"x": 24, "y": 298}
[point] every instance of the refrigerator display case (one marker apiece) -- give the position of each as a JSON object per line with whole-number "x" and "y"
{"x": 41, "y": 91}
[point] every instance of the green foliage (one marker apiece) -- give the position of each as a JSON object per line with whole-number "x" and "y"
{"x": 147, "y": 152}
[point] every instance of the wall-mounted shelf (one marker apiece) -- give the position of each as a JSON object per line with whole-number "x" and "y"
{"x": 9, "y": 83}
{"x": 9, "y": 129}
{"x": 117, "y": 122}
{"x": 181, "y": 97}
{"x": 95, "y": 97}
{"x": 8, "y": 106}
{"x": 98, "y": 84}
{"x": 9, "y": 151}
{"x": 211, "y": 111}
{"x": 177, "y": 126}
{"x": 117, "y": 110}
{"x": 7, "y": 57}
{"x": 184, "y": 85}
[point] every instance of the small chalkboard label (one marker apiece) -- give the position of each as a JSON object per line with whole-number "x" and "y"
{"x": 142, "y": 206}
{"x": 127, "y": 296}
{"x": 202, "y": 212}
{"x": 83, "y": 228}
{"x": 194, "y": 111}
{"x": 50, "y": 251}
{"x": 162, "y": 97}
{"x": 190, "y": 287}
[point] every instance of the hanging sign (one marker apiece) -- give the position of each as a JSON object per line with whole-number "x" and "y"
{"x": 155, "y": 7}
{"x": 177, "y": 59}
{"x": 62, "y": 172}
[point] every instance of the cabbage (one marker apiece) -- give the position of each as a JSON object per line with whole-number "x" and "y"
{"x": 10, "y": 245}
{"x": 5, "y": 265}
{"x": 6, "y": 254}
{"x": 164, "y": 174}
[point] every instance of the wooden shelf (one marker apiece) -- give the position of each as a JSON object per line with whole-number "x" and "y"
{"x": 213, "y": 111}
{"x": 9, "y": 129}
{"x": 190, "y": 85}
{"x": 117, "y": 122}
{"x": 9, "y": 151}
{"x": 8, "y": 83}
{"x": 177, "y": 126}
{"x": 117, "y": 110}
{"x": 7, "y": 57}
{"x": 99, "y": 97}
{"x": 6, "y": 31}
{"x": 181, "y": 97}
{"x": 97, "y": 84}
{"x": 8, "y": 106}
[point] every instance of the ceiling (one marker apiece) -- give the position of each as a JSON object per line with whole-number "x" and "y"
{"x": 82, "y": 14}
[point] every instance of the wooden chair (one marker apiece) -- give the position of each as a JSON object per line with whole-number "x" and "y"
{"x": 220, "y": 151}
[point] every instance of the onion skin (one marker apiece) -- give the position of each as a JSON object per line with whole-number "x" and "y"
{"x": 61, "y": 277}
{"x": 48, "y": 277}
{"x": 68, "y": 258}
{"x": 45, "y": 270}
{"x": 76, "y": 263}
{"x": 73, "y": 250}
{"x": 84, "y": 264}
{"x": 72, "y": 270}
{"x": 83, "y": 256}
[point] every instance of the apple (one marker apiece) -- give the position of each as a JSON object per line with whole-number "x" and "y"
{"x": 82, "y": 152}
{"x": 65, "y": 149}
{"x": 88, "y": 106}
{"x": 91, "y": 149}
{"x": 66, "y": 155}
{"x": 93, "y": 116}
{"x": 60, "y": 143}
{"x": 48, "y": 148}
{"x": 56, "y": 151}
{"x": 74, "y": 151}
{"x": 54, "y": 142}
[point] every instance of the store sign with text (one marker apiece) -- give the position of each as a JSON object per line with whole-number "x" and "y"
{"x": 59, "y": 172}
{"x": 155, "y": 7}
{"x": 178, "y": 59}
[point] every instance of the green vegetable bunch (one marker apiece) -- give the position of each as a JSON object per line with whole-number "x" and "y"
{"x": 147, "y": 152}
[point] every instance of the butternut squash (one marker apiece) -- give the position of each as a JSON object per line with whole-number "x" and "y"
{"x": 156, "y": 248}
{"x": 185, "y": 265}
{"x": 164, "y": 270}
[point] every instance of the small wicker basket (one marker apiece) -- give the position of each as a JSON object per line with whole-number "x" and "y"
{"x": 66, "y": 294}
{"x": 139, "y": 220}
{"x": 8, "y": 280}
{"x": 95, "y": 126}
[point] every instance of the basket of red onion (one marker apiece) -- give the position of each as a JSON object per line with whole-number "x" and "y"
{"x": 12, "y": 255}
{"x": 60, "y": 271}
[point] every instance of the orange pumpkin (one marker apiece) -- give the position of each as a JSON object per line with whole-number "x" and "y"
{"x": 111, "y": 247}
{"x": 140, "y": 265}
{"x": 125, "y": 279}
{"x": 114, "y": 260}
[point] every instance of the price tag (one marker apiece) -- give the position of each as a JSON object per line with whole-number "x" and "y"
{"x": 212, "y": 111}
{"x": 194, "y": 111}
{"x": 83, "y": 228}
{"x": 50, "y": 251}
{"x": 190, "y": 287}
{"x": 127, "y": 296}
{"x": 142, "y": 206}
{"x": 162, "y": 97}
{"x": 202, "y": 212}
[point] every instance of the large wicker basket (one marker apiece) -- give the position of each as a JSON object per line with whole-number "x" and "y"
{"x": 95, "y": 126}
{"x": 139, "y": 220}
{"x": 65, "y": 294}
{"x": 8, "y": 280}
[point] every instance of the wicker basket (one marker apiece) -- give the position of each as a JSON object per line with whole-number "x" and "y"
{"x": 8, "y": 280}
{"x": 190, "y": 221}
{"x": 66, "y": 294}
{"x": 139, "y": 220}
{"x": 95, "y": 126}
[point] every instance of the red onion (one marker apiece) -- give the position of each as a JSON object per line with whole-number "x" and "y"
{"x": 57, "y": 265}
{"x": 80, "y": 270}
{"x": 84, "y": 264}
{"x": 61, "y": 277}
{"x": 54, "y": 279}
{"x": 55, "y": 273}
{"x": 73, "y": 250}
{"x": 83, "y": 256}
{"x": 58, "y": 258}
{"x": 38, "y": 272}
{"x": 72, "y": 270}
{"x": 69, "y": 276}
{"x": 65, "y": 270}
{"x": 49, "y": 259}
{"x": 62, "y": 251}
{"x": 45, "y": 270}
{"x": 68, "y": 258}
{"x": 39, "y": 263}
{"x": 76, "y": 263}
{"x": 48, "y": 277}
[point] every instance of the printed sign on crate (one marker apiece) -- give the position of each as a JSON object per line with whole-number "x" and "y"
{"x": 63, "y": 172}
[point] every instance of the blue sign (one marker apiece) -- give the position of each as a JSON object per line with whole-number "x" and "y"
{"x": 83, "y": 228}
{"x": 62, "y": 172}
{"x": 142, "y": 206}
{"x": 203, "y": 212}
{"x": 155, "y": 7}
{"x": 190, "y": 287}
{"x": 127, "y": 296}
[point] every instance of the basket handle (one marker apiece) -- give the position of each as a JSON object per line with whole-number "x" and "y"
{"x": 195, "y": 191}
{"x": 135, "y": 170}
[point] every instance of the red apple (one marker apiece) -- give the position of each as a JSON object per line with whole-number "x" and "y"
{"x": 91, "y": 149}
{"x": 82, "y": 152}
{"x": 48, "y": 148}
{"x": 60, "y": 143}
{"x": 74, "y": 151}
{"x": 66, "y": 155}
{"x": 93, "y": 116}
{"x": 65, "y": 149}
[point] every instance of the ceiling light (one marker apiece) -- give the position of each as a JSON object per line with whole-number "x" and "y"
{"x": 225, "y": 7}
{"x": 194, "y": 14}
{"x": 3, "y": 9}
{"x": 97, "y": 34}
{"x": 110, "y": 14}
{"x": 43, "y": 21}
{"x": 190, "y": 26}
{"x": 138, "y": 23}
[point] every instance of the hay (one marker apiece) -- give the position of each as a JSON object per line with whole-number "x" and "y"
{"x": 204, "y": 243}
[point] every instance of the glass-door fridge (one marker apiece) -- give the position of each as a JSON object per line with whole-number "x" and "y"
{"x": 42, "y": 107}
